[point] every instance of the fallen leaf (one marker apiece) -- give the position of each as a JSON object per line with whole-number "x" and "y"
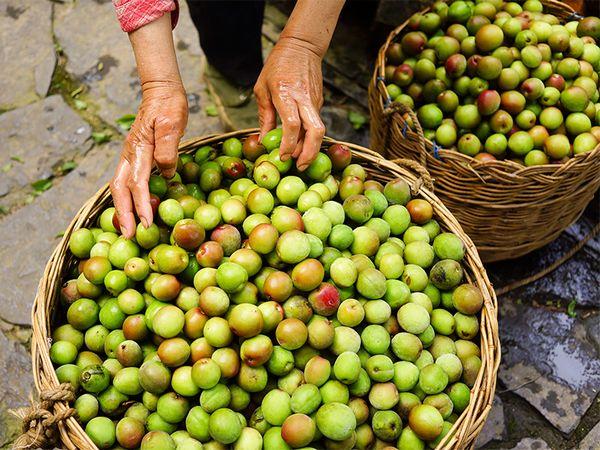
{"x": 126, "y": 121}
{"x": 100, "y": 137}
{"x": 571, "y": 309}
{"x": 42, "y": 185}
{"x": 356, "y": 119}
{"x": 67, "y": 166}
{"x": 80, "y": 104}
{"x": 77, "y": 91}
{"x": 211, "y": 110}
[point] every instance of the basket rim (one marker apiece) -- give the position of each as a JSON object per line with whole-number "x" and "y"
{"x": 463, "y": 432}
{"x": 510, "y": 167}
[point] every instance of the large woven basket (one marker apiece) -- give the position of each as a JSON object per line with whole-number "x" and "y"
{"x": 507, "y": 209}
{"x": 466, "y": 428}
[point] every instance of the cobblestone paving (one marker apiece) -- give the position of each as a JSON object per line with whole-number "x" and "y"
{"x": 69, "y": 74}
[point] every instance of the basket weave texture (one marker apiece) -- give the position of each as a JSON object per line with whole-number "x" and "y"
{"x": 466, "y": 428}
{"x": 507, "y": 209}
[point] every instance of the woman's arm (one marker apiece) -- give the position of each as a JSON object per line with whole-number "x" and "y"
{"x": 291, "y": 82}
{"x": 158, "y": 127}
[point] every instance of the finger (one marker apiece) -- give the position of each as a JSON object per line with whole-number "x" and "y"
{"x": 290, "y": 120}
{"x": 139, "y": 176}
{"x": 122, "y": 199}
{"x": 267, "y": 116}
{"x": 299, "y": 145}
{"x": 315, "y": 130}
{"x": 167, "y": 134}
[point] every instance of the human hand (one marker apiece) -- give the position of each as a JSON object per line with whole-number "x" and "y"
{"x": 291, "y": 84}
{"x": 154, "y": 137}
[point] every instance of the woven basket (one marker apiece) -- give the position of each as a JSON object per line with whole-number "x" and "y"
{"x": 507, "y": 209}
{"x": 466, "y": 428}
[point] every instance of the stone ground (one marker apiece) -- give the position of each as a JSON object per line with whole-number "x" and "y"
{"x": 69, "y": 74}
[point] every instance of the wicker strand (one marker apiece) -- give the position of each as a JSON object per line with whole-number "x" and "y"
{"x": 424, "y": 177}
{"x": 39, "y": 423}
{"x": 396, "y": 107}
{"x": 552, "y": 267}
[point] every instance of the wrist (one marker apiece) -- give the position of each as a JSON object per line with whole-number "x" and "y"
{"x": 155, "y": 54}
{"x": 171, "y": 85}
{"x": 303, "y": 44}
{"x": 312, "y": 23}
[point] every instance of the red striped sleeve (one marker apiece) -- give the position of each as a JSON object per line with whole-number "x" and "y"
{"x": 133, "y": 14}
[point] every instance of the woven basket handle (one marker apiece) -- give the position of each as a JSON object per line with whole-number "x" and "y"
{"x": 40, "y": 420}
{"x": 424, "y": 178}
{"x": 400, "y": 108}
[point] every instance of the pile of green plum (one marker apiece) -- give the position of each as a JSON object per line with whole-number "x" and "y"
{"x": 269, "y": 308}
{"x": 500, "y": 80}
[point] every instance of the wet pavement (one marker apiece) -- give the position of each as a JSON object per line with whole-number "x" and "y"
{"x": 60, "y": 102}
{"x": 548, "y": 360}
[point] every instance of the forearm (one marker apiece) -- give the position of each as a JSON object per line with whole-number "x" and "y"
{"x": 155, "y": 53}
{"x": 313, "y": 22}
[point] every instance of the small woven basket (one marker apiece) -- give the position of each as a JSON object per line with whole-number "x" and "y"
{"x": 507, "y": 209}
{"x": 466, "y": 428}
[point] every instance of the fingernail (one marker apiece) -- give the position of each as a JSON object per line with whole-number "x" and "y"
{"x": 303, "y": 167}
{"x": 284, "y": 157}
{"x": 124, "y": 230}
{"x": 145, "y": 222}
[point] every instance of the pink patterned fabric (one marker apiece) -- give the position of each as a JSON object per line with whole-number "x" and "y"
{"x": 133, "y": 14}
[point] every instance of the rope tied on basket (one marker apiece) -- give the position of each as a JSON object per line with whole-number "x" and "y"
{"x": 396, "y": 107}
{"x": 436, "y": 150}
{"x": 575, "y": 16}
{"x": 40, "y": 420}
{"x": 424, "y": 178}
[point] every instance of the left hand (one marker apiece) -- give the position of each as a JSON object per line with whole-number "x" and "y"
{"x": 153, "y": 138}
{"x": 291, "y": 85}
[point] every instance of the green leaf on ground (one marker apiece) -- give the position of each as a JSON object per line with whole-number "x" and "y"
{"x": 42, "y": 185}
{"x": 60, "y": 234}
{"x": 67, "y": 166}
{"x": 17, "y": 159}
{"x": 77, "y": 91}
{"x": 100, "y": 137}
{"x": 100, "y": 66}
{"x": 3, "y": 210}
{"x": 571, "y": 308}
{"x": 80, "y": 104}
{"x": 211, "y": 110}
{"x": 126, "y": 121}
{"x": 29, "y": 199}
{"x": 6, "y": 167}
{"x": 356, "y": 119}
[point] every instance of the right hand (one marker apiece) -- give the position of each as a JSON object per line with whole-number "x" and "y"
{"x": 291, "y": 84}
{"x": 154, "y": 137}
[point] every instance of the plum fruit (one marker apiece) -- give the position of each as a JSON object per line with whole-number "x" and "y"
{"x": 478, "y": 74}
{"x": 275, "y": 308}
